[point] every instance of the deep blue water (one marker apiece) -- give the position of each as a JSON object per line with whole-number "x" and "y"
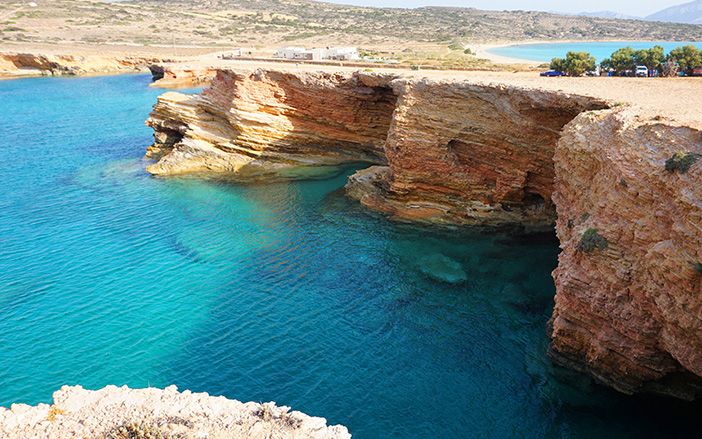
{"x": 600, "y": 50}
{"x": 284, "y": 291}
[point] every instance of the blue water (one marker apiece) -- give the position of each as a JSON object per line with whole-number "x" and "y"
{"x": 600, "y": 50}
{"x": 285, "y": 291}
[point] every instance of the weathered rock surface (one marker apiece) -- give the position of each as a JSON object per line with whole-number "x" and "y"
{"x": 630, "y": 313}
{"x": 262, "y": 123}
{"x": 464, "y": 153}
{"x": 120, "y": 412}
{"x": 29, "y": 64}
{"x": 178, "y": 75}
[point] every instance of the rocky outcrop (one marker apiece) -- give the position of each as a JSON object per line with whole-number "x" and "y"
{"x": 120, "y": 412}
{"x": 269, "y": 123}
{"x": 629, "y": 279}
{"x": 464, "y": 153}
{"x": 178, "y": 75}
{"x": 625, "y": 190}
{"x": 455, "y": 152}
{"x": 30, "y": 64}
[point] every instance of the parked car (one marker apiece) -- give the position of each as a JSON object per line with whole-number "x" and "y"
{"x": 552, "y": 73}
{"x": 697, "y": 71}
{"x": 642, "y": 71}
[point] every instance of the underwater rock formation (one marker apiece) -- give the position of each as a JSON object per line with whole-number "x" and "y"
{"x": 139, "y": 413}
{"x": 629, "y": 279}
{"x": 625, "y": 188}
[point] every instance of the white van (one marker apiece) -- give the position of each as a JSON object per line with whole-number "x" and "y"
{"x": 642, "y": 71}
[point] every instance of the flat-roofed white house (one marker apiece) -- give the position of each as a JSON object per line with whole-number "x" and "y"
{"x": 343, "y": 53}
{"x": 289, "y": 52}
{"x": 318, "y": 53}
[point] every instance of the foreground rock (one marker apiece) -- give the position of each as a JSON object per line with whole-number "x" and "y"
{"x": 629, "y": 279}
{"x": 122, "y": 413}
{"x": 624, "y": 184}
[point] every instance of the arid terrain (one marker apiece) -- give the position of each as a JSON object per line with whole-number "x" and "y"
{"x": 447, "y": 37}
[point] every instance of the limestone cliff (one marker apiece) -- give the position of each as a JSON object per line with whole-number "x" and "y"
{"x": 120, "y": 412}
{"x": 625, "y": 190}
{"x": 629, "y": 279}
{"x": 266, "y": 122}
{"x": 464, "y": 153}
{"x": 30, "y": 64}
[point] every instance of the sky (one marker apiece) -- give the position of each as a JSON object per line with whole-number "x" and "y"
{"x": 630, "y": 7}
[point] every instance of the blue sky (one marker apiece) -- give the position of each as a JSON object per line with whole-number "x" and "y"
{"x": 630, "y": 7}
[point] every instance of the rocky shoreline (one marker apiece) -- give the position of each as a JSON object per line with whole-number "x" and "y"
{"x": 608, "y": 174}
{"x": 123, "y": 413}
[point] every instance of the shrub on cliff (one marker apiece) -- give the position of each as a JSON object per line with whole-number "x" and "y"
{"x": 136, "y": 431}
{"x": 592, "y": 240}
{"x": 681, "y": 162}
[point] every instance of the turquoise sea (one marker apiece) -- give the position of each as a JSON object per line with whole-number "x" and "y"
{"x": 284, "y": 291}
{"x": 600, "y": 50}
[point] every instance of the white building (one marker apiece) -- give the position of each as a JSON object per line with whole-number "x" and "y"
{"x": 318, "y": 53}
{"x": 289, "y": 52}
{"x": 343, "y": 53}
{"x": 237, "y": 53}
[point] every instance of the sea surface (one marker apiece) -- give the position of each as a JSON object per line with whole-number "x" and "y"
{"x": 284, "y": 291}
{"x": 600, "y": 50}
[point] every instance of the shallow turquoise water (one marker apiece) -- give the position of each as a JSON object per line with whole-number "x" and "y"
{"x": 285, "y": 291}
{"x": 600, "y": 50}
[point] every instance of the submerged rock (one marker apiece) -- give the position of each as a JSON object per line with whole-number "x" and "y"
{"x": 443, "y": 269}
{"x": 121, "y": 412}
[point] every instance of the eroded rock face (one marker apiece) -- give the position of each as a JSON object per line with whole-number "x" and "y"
{"x": 123, "y": 412}
{"x": 463, "y": 153}
{"x": 181, "y": 75}
{"x": 628, "y": 303}
{"x": 261, "y": 123}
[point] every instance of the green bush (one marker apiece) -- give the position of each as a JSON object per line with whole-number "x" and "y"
{"x": 698, "y": 267}
{"x": 681, "y": 162}
{"x": 574, "y": 64}
{"x": 687, "y": 57}
{"x": 592, "y": 240}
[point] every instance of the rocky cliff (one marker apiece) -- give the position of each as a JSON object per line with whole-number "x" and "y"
{"x": 271, "y": 123}
{"x": 628, "y": 192}
{"x": 123, "y": 413}
{"x": 624, "y": 189}
{"x": 30, "y": 64}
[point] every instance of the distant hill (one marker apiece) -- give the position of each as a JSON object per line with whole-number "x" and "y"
{"x": 685, "y": 13}
{"x": 609, "y": 14}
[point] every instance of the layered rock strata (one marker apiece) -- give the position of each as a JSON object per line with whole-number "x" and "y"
{"x": 181, "y": 75}
{"x": 114, "y": 412}
{"x": 625, "y": 190}
{"x": 451, "y": 152}
{"x": 267, "y": 123}
{"x": 464, "y": 153}
{"x": 629, "y": 279}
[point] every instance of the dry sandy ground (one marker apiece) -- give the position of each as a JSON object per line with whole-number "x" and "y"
{"x": 674, "y": 98}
